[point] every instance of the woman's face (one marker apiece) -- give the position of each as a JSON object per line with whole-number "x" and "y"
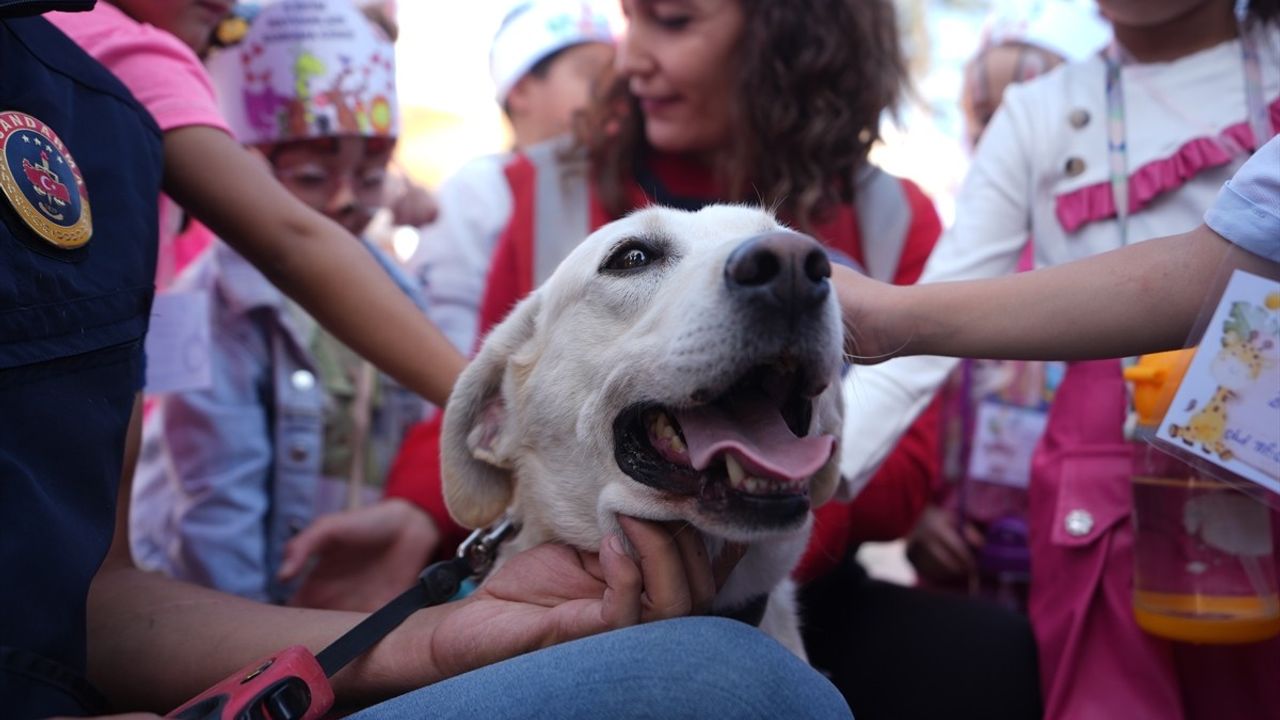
{"x": 678, "y": 58}
{"x": 192, "y": 21}
{"x": 342, "y": 178}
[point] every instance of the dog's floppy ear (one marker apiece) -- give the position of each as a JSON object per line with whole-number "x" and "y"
{"x": 476, "y": 440}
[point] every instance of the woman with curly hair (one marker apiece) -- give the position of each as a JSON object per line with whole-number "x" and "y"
{"x": 774, "y": 103}
{"x": 771, "y": 102}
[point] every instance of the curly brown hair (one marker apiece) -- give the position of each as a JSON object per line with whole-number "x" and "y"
{"x": 816, "y": 77}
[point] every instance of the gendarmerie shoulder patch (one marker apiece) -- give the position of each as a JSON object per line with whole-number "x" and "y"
{"x": 41, "y": 181}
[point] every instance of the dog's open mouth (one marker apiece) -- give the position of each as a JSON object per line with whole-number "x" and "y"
{"x": 746, "y": 453}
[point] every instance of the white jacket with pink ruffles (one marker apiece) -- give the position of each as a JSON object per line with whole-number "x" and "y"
{"x": 1042, "y": 171}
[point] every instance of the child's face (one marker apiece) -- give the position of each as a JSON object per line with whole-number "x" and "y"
{"x": 192, "y": 21}
{"x": 341, "y": 177}
{"x": 543, "y": 107}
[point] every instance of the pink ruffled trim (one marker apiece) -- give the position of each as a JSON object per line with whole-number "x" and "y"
{"x": 1094, "y": 202}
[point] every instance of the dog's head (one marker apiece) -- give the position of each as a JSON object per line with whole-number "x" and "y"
{"x": 675, "y": 366}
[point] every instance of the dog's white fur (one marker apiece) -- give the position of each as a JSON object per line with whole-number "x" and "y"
{"x": 530, "y": 424}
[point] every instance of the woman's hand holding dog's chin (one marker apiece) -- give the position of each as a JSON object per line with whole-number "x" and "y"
{"x": 551, "y": 594}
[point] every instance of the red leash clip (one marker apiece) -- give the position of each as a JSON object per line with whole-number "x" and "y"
{"x": 290, "y": 685}
{"x": 294, "y": 684}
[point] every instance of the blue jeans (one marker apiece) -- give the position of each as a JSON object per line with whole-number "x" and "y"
{"x": 700, "y": 667}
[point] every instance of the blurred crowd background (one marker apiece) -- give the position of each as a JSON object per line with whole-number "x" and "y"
{"x": 451, "y": 117}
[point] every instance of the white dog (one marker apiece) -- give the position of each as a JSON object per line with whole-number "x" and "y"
{"x": 675, "y": 366}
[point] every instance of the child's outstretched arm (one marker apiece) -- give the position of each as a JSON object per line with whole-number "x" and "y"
{"x": 1139, "y": 299}
{"x": 309, "y": 257}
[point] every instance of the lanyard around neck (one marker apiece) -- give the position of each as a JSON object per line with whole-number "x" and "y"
{"x": 1117, "y": 149}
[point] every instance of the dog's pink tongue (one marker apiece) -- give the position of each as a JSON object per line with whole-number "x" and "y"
{"x": 759, "y": 437}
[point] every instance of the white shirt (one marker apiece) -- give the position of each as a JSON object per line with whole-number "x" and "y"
{"x": 1247, "y": 211}
{"x": 1046, "y": 149}
{"x": 452, "y": 260}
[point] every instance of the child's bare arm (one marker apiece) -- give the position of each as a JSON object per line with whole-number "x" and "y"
{"x": 1142, "y": 298}
{"x": 309, "y": 257}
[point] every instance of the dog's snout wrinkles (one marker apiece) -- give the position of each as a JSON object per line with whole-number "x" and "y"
{"x": 785, "y": 269}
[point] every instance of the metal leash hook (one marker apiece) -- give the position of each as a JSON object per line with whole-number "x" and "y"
{"x": 481, "y": 547}
{"x": 443, "y": 580}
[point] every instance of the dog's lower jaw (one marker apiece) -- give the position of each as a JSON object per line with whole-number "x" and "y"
{"x": 782, "y": 619}
{"x": 765, "y": 565}
{"x": 764, "y": 568}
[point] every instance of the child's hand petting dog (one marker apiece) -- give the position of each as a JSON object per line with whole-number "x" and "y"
{"x": 552, "y": 593}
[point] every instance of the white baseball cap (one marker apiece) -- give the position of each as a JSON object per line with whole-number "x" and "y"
{"x": 534, "y": 29}
{"x": 305, "y": 70}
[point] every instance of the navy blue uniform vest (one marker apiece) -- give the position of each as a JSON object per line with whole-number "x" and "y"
{"x": 71, "y": 328}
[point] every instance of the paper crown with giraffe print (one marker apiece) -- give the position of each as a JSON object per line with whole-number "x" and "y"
{"x": 304, "y": 69}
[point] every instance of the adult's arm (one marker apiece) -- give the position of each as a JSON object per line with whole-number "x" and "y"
{"x": 155, "y": 642}
{"x": 309, "y": 257}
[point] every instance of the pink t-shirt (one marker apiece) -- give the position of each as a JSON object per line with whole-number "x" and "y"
{"x": 168, "y": 80}
{"x": 162, "y": 73}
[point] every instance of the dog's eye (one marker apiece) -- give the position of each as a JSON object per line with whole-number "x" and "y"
{"x": 630, "y": 257}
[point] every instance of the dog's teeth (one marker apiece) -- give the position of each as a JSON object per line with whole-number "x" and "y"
{"x": 677, "y": 444}
{"x": 661, "y": 426}
{"x": 736, "y": 473}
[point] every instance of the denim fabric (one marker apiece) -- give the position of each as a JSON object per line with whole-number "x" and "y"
{"x": 688, "y": 668}
{"x": 229, "y": 473}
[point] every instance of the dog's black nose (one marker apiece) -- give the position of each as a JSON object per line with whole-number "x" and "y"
{"x": 785, "y": 269}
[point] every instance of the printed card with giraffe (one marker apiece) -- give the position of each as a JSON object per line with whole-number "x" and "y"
{"x": 1227, "y": 409}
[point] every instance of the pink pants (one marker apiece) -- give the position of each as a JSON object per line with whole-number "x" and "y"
{"x": 1095, "y": 661}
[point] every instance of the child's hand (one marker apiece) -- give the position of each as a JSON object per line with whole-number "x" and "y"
{"x": 940, "y": 552}
{"x": 364, "y": 558}
{"x": 411, "y": 204}
{"x": 874, "y": 327}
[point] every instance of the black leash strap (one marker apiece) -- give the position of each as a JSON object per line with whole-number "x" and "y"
{"x": 439, "y": 582}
